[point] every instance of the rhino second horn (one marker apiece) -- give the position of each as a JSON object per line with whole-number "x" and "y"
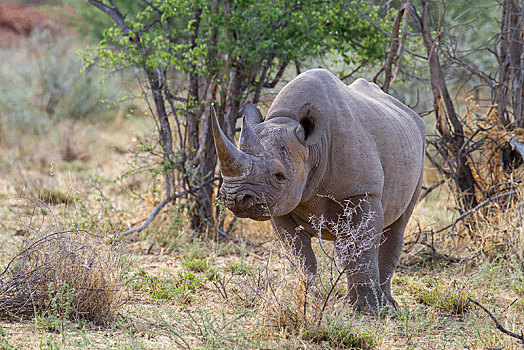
{"x": 249, "y": 141}
{"x": 252, "y": 114}
{"x": 233, "y": 162}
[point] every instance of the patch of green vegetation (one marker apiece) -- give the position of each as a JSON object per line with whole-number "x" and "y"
{"x": 239, "y": 268}
{"x": 452, "y": 299}
{"x": 182, "y": 286}
{"x": 195, "y": 264}
{"x": 50, "y": 344}
{"x": 212, "y": 274}
{"x": 337, "y": 337}
{"x": 56, "y": 318}
{"x": 400, "y": 280}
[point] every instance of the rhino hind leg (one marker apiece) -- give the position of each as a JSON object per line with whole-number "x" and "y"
{"x": 391, "y": 247}
{"x": 389, "y": 254}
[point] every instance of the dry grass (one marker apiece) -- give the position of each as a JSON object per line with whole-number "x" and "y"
{"x": 69, "y": 272}
{"x": 209, "y": 294}
{"x": 166, "y": 316}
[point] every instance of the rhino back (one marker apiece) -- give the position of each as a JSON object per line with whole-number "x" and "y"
{"x": 399, "y": 137}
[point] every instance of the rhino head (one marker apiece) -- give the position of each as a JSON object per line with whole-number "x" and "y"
{"x": 265, "y": 177}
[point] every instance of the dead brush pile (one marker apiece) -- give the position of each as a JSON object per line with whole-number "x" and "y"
{"x": 72, "y": 273}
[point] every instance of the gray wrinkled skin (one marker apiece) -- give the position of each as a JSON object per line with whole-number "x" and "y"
{"x": 323, "y": 138}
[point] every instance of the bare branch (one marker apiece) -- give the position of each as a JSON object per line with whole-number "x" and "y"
{"x": 471, "y": 211}
{"x": 113, "y": 12}
{"x": 497, "y": 323}
{"x": 278, "y": 75}
{"x": 392, "y": 50}
{"x": 431, "y": 188}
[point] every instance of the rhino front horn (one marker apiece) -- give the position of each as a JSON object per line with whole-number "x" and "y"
{"x": 249, "y": 141}
{"x": 233, "y": 162}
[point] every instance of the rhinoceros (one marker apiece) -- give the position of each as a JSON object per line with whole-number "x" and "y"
{"x": 322, "y": 143}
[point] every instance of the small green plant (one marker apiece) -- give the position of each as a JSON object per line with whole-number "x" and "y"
{"x": 336, "y": 337}
{"x": 50, "y": 345}
{"x": 196, "y": 265}
{"x": 55, "y": 318}
{"x": 182, "y": 286}
{"x": 451, "y": 299}
{"x": 212, "y": 274}
{"x": 187, "y": 280}
{"x": 239, "y": 268}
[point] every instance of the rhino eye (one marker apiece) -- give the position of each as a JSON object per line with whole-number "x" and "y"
{"x": 280, "y": 176}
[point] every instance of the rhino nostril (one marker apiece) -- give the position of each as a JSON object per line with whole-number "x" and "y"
{"x": 247, "y": 201}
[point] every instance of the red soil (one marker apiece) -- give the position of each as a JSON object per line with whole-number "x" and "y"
{"x": 18, "y": 21}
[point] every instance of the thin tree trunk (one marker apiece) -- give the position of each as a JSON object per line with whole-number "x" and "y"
{"x": 516, "y": 69}
{"x": 446, "y": 114}
{"x": 166, "y": 139}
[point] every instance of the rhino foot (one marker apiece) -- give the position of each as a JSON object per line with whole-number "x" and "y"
{"x": 375, "y": 303}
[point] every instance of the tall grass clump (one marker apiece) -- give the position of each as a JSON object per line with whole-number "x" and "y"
{"x": 501, "y": 232}
{"x": 71, "y": 274}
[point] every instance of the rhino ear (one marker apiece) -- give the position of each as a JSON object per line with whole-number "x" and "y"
{"x": 252, "y": 113}
{"x": 312, "y": 125}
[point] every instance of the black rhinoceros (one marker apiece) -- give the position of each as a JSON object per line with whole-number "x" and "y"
{"x": 324, "y": 142}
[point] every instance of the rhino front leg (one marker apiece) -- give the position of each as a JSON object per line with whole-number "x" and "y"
{"x": 364, "y": 289}
{"x": 289, "y": 231}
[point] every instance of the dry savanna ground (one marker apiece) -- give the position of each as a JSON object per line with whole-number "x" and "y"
{"x": 69, "y": 186}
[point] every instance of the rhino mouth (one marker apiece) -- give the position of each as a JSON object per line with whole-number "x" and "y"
{"x": 254, "y": 213}
{"x": 247, "y": 205}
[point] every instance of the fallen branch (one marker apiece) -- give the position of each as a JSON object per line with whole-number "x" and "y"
{"x": 497, "y": 324}
{"x": 155, "y": 212}
{"x": 162, "y": 204}
{"x": 471, "y": 211}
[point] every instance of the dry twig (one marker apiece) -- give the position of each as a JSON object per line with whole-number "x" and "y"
{"x": 497, "y": 323}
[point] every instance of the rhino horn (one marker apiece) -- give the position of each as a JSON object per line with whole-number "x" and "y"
{"x": 233, "y": 162}
{"x": 252, "y": 114}
{"x": 249, "y": 141}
